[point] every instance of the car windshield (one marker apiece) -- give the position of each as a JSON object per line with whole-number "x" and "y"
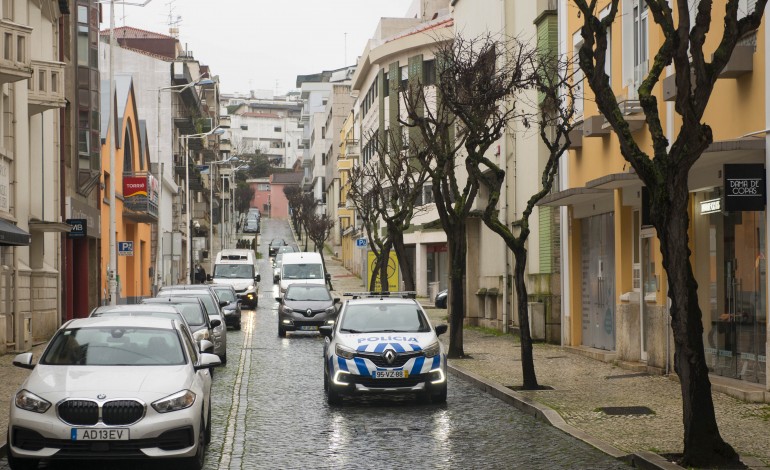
{"x": 233, "y": 271}
{"x": 277, "y": 243}
{"x": 114, "y": 346}
{"x": 191, "y": 312}
{"x": 308, "y": 293}
{"x": 226, "y": 294}
{"x": 301, "y": 271}
{"x": 383, "y": 317}
{"x": 208, "y": 300}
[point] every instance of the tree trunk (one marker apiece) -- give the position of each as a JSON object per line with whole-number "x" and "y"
{"x": 527, "y": 358}
{"x": 703, "y": 445}
{"x": 404, "y": 263}
{"x": 457, "y": 253}
{"x": 384, "y": 258}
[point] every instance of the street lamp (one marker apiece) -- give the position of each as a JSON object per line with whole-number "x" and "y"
{"x": 160, "y": 271}
{"x": 112, "y": 265}
{"x": 211, "y": 206}
{"x": 185, "y": 138}
{"x": 232, "y": 200}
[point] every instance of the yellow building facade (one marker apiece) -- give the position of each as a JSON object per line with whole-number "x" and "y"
{"x": 614, "y": 287}
{"x": 136, "y": 196}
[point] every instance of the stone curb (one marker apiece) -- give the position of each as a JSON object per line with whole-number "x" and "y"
{"x": 641, "y": 459}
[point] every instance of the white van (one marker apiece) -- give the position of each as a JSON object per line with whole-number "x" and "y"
{"x": 305, "y": 267}
{"x": 238, "y": 268}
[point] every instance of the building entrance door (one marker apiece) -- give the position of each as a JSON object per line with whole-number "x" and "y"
{"x": 598, "y": 287}
{"x": 738, "y": 327}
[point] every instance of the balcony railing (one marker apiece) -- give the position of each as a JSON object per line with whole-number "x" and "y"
{"x": 46, "y": 87}
{"x": 15, "y": 61}
{"x": 140, "y": 197}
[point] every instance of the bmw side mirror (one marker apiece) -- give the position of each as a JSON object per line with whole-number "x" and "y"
{"x": 325, "y": 330}
{"x": 441, "y": 329}
{"x": 207, "y": 361}
{"x": 24, "y": 361}
{"x": 216, "y": 322}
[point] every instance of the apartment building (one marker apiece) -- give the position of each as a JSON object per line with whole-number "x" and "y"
{"x": 615, "y": 290}
{"x": 32, "y": 94}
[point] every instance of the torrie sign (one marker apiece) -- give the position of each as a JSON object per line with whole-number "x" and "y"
{"x": 744, "y": 187}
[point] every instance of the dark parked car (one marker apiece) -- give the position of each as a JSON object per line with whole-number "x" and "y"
{"x": 306, "y": 307}
{"x": 232, "y": 310}
{"x": 193, "y": 311}
{"x": 440, "y": 301}
{"x": 275, "y": 244}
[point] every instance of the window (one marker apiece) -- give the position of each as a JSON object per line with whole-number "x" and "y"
{"x": 277, "y": 129}
{"x": 641, "y": 53}
{"x": 82, "y": 45}
{"x": 8, "y": 10}
{"x": 429, "y": 72}
{"x": 577, "y": 77}
{"x": 263, "y": 187}
{"x": 244, "y": 127}
{"x": 404, "y": 76}
{"x": 386, "y": 86}
{"x": 8, "y": 49}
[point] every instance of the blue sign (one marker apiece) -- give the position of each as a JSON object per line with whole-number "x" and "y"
{"x": 361, "y": 242}
{"x": 79, "y": 228}
{"x": 126, "y": 248}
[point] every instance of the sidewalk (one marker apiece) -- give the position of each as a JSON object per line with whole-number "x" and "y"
{"x": 582, "y": 385}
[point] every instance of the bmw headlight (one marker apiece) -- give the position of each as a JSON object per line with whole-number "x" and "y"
{"x": 344, "y": 351}
{"x": 175, "y": 402}
{"x": 432, "y": 349}
{"x": 27, "y": 400}
{"x": 201, "y": 335}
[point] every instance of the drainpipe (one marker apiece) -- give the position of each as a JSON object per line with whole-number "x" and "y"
{"x": 503, "y": 153}
{"x": 669, "y": 137}
{"x": 563, "y": 210}
{"x": 767, "y": 182}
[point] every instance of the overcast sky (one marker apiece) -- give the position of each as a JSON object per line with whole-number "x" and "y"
{"x": 265, "y": 44}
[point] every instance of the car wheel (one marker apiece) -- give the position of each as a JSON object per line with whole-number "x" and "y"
{"x": 440, "y": 396}
{"x": 281, "y": 332}
{"x": 17, "y": 463}
{"x": 333, "y": 396}
{"x": 196, "y": 462}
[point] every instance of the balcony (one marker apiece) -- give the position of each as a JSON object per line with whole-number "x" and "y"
{"x": 224, "y": 122}
{"x": 741, "y": 62}
{"x": 594, "y": 126}
{"x": 15, "y": 64}
{"x": 225, "y": 146}
{"x": 140, "y": 197}
{"x": 46, "y": 86}
{"x": 200, "y": 211}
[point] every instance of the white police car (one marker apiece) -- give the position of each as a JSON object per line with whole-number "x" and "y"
{"x": 383, "y": 344}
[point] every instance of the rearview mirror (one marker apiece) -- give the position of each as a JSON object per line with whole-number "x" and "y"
{"x": 216, "y": 322}
{"x": 24, "y": 361}
{"x": 207, "y": 361}
{"x": 205, "y": 345}
{"x": 441, "y": 329}
{"x": 258, "y": 278}
{"x": 325, "y": 330}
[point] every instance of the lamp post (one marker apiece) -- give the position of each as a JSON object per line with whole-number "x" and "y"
{"x": 160, "y": 270}
{"x": 185, "y": 139}
{"x": 212, "y": 165}
{"x": 112, "y": 265}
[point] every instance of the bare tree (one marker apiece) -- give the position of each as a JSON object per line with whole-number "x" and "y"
{"x": 519, "y": 72}
{"x": 362, "y": 194}
{"x": 666, "y": 176}
{"x": 319, "y": 227}
{"x": 393, "y": 184}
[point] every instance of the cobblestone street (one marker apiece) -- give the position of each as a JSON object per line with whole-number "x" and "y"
{"x": 269, "y": 411}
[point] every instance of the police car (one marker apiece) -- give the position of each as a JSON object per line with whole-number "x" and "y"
{"x": 383, "y": 343}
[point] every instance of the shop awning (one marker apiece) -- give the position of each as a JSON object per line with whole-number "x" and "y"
{"x": 46, "y": 226}
{"x": 11, "y": 235}
{"x": 574, "y": 196}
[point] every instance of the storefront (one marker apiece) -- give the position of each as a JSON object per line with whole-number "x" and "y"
{"x": 731, "y": 268}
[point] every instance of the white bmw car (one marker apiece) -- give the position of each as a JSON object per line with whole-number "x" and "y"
{"x": 382, "y": 344}
{"x": 114, "y": 388}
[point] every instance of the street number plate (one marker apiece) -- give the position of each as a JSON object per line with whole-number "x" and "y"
{"x": 390, "y": 374}
{"x": 106, "y": 434}
{"x": 308, "y": 328}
